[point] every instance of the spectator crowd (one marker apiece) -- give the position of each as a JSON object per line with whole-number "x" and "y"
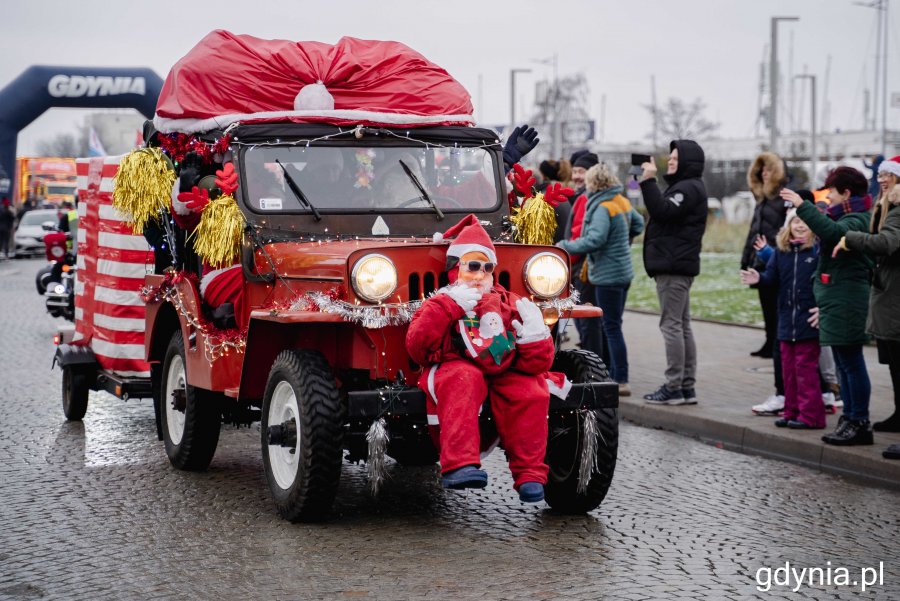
{"x": 825, "y": 264}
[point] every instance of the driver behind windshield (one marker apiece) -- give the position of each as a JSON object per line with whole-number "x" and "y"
{"x": 393, "y": 188}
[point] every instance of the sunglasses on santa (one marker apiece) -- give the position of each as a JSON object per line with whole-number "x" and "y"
{"x": 478, "y": 266}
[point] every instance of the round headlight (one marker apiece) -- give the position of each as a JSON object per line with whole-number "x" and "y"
{"x": 374, "y": 278}
{"x": 546, "y": 275}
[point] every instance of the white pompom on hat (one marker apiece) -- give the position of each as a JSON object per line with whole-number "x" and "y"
{"x": 314, "y": 97}
{"x": 791, "y": 213}
{"x": 469, "y": 236}
{"x": 891, "y": 165}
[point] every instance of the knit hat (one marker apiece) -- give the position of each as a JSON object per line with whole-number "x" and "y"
{"x": 891, "y": 165}
{"x": 470, "y": 236}
{"x": 806, "y": 195}
{"x": 587, "y": 160}
{"x": 578, "y": 153}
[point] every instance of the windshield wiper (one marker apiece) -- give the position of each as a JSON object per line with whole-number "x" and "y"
{"x": 297, "y": 191}
{"x": 418, "y": 184}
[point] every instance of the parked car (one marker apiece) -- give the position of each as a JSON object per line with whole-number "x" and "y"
{"x": 29, "y": 238}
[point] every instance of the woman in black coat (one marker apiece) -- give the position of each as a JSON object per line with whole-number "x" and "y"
{"x": 766, "y": 178}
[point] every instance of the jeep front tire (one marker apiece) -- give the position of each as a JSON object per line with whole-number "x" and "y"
{"x": 566, "y": 433}
{"x": 302, "y": 432}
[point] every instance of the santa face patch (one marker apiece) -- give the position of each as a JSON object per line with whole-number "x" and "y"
{"x": 485, "y": 338}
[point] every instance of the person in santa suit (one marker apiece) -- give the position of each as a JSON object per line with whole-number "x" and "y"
{"x": 218, "y": 285}
{"x": 475, "y": 341}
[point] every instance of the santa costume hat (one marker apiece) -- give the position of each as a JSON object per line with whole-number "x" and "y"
{"x": 891, "y": 165}
{"x": 469, "y": 236}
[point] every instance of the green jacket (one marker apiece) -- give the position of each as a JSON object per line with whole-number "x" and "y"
{"x": 844, "y": 300}
{"x": 884, "y": 304}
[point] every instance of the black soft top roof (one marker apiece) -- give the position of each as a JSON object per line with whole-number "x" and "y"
{"x": 464, "y": 136}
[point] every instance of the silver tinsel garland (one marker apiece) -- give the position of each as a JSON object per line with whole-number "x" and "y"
{"x": 368, "y": 316}
{"x": 562, "y": 304}
{"x": 588, "y": 464}
{"x": 378, "y": 439}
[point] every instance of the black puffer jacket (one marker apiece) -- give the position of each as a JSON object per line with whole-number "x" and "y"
{"x": 677, "y": 216}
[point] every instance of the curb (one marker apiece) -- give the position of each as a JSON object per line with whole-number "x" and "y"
{"x": 789, "y": 446}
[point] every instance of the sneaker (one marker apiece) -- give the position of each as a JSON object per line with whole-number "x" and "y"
{"x": 830, "y": 403}
{"x": 624, "y": 389}
{"x": 892, "y": 452}
{"x": 782, "y": 422}
{"x": 467, "y": 476}
{"x": 665, "y": 396}
{"x": 773, "y": 405}
{"x": 690, "y": 396}
{"x": 531, "y": 492}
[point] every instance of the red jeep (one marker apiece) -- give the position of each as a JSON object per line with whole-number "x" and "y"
{"x": 336, "y": 255}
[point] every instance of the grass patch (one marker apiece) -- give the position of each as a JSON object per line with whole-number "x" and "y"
{"x": 717, "y": 292}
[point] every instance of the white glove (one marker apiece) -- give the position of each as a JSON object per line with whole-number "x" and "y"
{"x": 464, "y": 296}
{"x": 532, "y": 327}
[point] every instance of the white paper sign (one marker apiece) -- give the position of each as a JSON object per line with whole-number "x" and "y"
{"x": 270, "y": 204}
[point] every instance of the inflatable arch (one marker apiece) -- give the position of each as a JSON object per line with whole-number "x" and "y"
{"x": 41, "y": 87}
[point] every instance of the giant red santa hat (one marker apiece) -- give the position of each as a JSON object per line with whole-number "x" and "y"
{"x": 469, "y": 236}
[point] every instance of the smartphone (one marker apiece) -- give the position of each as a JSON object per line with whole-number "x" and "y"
{"x": 639, "y": 159}
{"x": 636, "y": 161}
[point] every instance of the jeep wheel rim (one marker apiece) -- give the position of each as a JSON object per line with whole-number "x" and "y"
{"x": 175, "y": 381}
{"x": 283, "y": 460}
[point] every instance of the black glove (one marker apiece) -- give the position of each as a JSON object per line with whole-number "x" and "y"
{"x": 189, "y": 171}
{"x": 521, "y": 141}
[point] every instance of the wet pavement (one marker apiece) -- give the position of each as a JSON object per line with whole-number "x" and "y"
{"x": 93, "y": 510}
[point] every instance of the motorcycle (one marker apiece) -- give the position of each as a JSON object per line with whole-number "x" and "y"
{"x": 60, "y": 296}
{"x": 58, "y": 279}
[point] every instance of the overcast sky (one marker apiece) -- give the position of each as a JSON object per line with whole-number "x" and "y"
{"x": 711, "y": 49}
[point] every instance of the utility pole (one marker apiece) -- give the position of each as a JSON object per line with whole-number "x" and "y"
{"x": 655, "y": 112}
{"x": 884, "y": 83}
{"x": 773, "y": 83}
{"x": 512, "y": 96}
{"x": 602, "y": 118}
{"x": 813, "y": 154}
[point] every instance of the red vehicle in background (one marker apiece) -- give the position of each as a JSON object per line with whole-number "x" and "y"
{"x": 44, "y": 180}
{"x": 332, "y": 261}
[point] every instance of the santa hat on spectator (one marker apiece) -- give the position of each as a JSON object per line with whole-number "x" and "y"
{"x": 891, "y": 165}
{"x": 469, "y": 236}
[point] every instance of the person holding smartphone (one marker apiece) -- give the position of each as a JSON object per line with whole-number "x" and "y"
{"x": 672, "y": 240}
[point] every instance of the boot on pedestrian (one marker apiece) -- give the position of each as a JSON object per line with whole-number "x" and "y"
{"x": 891, "y": 424}
{"x": 850, "y": 432}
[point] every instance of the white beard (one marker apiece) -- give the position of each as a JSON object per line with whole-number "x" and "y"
{"x": 484, "y": 286}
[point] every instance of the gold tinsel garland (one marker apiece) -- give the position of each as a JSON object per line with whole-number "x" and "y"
{"x": 217, "y": 239}
{"x": 535, "y": 221}
{"x": 143, "y": 186}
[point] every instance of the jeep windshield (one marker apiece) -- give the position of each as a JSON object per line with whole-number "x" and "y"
{"x": 369, "y": 179}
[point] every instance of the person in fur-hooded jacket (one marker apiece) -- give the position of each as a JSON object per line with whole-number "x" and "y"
{"x": 766, "y": 178}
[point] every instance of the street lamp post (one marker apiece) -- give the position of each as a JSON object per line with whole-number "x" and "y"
{"x": 512, "y": 95}
{"x": 773, "y": 83}
{"x": 813, "y": 156}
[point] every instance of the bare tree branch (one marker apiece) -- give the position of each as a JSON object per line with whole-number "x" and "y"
{"x": 678, "y": 120}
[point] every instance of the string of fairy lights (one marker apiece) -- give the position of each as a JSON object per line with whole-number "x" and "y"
{"x": 216, "y": 342}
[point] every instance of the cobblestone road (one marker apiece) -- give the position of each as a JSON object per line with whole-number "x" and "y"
{"x": 93, "y": 510}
